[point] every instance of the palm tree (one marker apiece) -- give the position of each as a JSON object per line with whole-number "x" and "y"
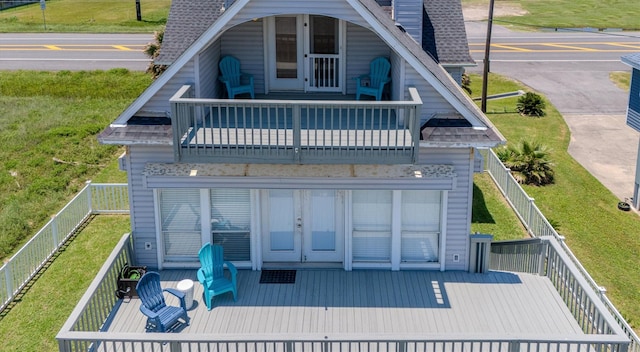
{"x": 529, "y": 163}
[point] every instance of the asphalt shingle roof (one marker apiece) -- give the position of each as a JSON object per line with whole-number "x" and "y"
{"x": 187, "y": 20}
{"x": 443, "y": 33}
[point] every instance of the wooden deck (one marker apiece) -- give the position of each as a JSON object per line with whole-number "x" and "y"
{"x": 373, "y": 302}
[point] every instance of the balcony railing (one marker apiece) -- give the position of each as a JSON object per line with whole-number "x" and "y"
{"x": 295, "y": 131}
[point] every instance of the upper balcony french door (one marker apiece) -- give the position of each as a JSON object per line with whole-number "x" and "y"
{"x": 305, "y": 53}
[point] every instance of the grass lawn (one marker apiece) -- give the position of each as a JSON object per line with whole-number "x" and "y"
{"x": 34, "y": 320}
{"x": 605, "y": 240}
{"x": 96, "y": 16}
{"x": 49, "y": 147}
{"x": 599, "y": 14}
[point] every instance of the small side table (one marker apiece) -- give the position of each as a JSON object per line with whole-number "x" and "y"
{"x": 186, "y": 287}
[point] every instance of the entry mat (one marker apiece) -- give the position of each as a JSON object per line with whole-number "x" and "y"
{"x": 278, "y": 277}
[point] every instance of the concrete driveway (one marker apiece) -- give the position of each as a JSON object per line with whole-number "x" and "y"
{"x": 593, "y": 107}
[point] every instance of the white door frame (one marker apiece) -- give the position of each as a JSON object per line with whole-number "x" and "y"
{"x": 284, "y": 84}
{"x": 304, "y": 62}
{"x": 300, "y": 208}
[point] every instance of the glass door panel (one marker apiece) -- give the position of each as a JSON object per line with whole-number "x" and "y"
{"x": 282, "y": 233}
{"x": 286, "y": 49}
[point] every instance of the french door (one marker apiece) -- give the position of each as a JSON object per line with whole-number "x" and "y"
{"x": 303, "y": 226}
{"x": 305, "y": 53}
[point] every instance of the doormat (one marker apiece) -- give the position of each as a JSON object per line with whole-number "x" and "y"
{"x": 278, "y": 277}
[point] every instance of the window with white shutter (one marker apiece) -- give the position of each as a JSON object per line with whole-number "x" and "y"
{"x": 372, "y": 225}
{"x": 181, "y": 224}
{"x": 230, "y": 222}
{"x": 420, "y": 226}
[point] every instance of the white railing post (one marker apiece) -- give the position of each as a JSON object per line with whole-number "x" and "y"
{"x": 297, "y": 131}
{"x": 89, "y": 196}
{"x": 54, "y": 231}
{"x": 7, "y": 277}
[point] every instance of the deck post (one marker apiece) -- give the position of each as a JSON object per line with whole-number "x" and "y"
{"x": 542, "y": 256}
{"x": 175, "y": 347}
{"x": 296, "y": 115}
{"x": 288, "y": 346}
{"x": 514, "y": 346}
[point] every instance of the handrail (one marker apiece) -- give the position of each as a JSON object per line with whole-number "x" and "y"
{"x": 23, "y": 266}
{"x": 294, "y": 131}
{"x": 538, "y": 226}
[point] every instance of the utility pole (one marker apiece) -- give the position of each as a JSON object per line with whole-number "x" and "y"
{"x": 485, "y": 73}
{"x": 138, "y": 13}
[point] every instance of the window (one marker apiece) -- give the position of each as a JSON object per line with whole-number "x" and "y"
{"x": 181, "y": 224}
{"x": 230, "y": 222}
{"x": 372, "y": 225}
{"x": 420, "y": 226}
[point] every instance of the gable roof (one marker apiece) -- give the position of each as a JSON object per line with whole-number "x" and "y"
{"x": 187, "y": 20}
{"x": 376, "y": 17}
{"x": 443, "y": 32}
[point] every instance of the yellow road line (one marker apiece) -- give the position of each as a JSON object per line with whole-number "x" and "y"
{"x": 510, "y": 47}
{"x": 625, "y": 45}
{"x": 52, "y": 47}
{"x": 122, "y": 47}
{"x": 568, "y": 47}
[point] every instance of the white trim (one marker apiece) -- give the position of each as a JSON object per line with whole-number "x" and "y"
{"x": 205, "y": 216}
{"x": 348, "y": 228}
{"x": 396, "y": 230}
{"x": 444, "y": 203}
{"x": 256, "y": 230}
{"x": 159, "y": 242}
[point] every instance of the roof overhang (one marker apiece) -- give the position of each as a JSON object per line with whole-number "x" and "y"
{"x": 286, "y": 176}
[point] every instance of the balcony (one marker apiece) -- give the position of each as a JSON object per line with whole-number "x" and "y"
{"x": 545, "y": 307}
{"x": 295, "y": 131}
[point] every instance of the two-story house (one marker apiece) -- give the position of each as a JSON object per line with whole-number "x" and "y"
{"x": 305, "y": 173}
{"x": 369, "y": 200}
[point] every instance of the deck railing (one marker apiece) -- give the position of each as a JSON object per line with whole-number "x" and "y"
{"x": 538, "y": 226}
{"x": 23, "y": 266}
{"x": 294, "y": 131}
{"x": 334, "y": 343}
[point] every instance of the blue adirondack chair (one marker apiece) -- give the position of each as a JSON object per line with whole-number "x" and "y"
{"x": 211, "y": 274}
{"x": 236, "y": 81}
{"x": 373, "y": 83}
{"x": 160, "y": 316}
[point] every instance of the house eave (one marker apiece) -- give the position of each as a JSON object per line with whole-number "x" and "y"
{"x": 286, "y": 176}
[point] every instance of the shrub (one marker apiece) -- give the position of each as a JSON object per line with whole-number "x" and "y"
{"x": 152, "y": 50}
{"x": 529, "y": 163}
{"x": 531, "y": 104}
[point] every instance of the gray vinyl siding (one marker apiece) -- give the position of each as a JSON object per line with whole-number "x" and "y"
{"x": 363, "y": 46}
{"x": 143, "y": 222}
{"x": 432, "y": 101}
{"x": 456, "y": 73}
{"x": 333, "y": 8}
{"x": 246, "y": 43}
{"x": 160, "y": 101}
{"x": 208, "y": 71}
{"x": 409, "y": 14}
{"x": 459, "y": 205}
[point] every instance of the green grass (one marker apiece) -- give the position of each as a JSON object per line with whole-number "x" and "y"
{"x": 600, "y": 14}
{"x": 96, "y": 16}
{"x": 48, "y": 136}
{"x": 604, "y": 239}
{"x": 33, "y": 321}
{"x": 621, "y": 79}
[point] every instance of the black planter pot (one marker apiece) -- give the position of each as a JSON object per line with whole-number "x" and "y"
{"x": 128, "y": 279}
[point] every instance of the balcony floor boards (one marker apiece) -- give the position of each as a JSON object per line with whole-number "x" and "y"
{"x": 373, "y": 302}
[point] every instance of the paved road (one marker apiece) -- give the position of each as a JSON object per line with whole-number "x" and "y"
{"x": 572, "y": 70}
{"x": 57, "y": 51}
